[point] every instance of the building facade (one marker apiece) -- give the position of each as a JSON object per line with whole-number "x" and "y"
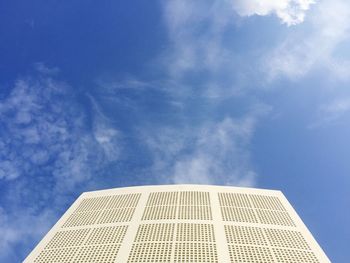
{"x": 179, "y": 223}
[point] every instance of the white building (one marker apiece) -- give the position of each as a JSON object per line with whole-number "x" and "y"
{"x": 179, "y": 223}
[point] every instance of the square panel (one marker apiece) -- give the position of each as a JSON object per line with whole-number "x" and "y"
{"x": 250, "y": 254}
{"x": 234, "y": 200}
{"x": 61, "y": 255}
{"x": 267, "y": 202}
{"x": 155, "y": 233}
{"x": 68, "y": 238}
{"x": 116, "y": 215}
{"x": 195, "y": 252}
{"x": 162, "y": 198}
{"x": 159, "y": 213}
{"x": 286, "y": 238}
{"x": 92, "y": 204}
{"x": 123, "y": 201}
{"x": 97, "y": 254}
{"x": 294, "y": 256}
{"x": 274, "y": 217}
{"x": 82, "y": 219}
{"x": 245, "y": 235}
{"x": 195, "y": 232}
{"x": 106, "y": 235}
{"x": 236, "y": 214}
{"x": 195, "y": 213}
{"x": 194, "y": 198}
{"x": 150, "y": 252}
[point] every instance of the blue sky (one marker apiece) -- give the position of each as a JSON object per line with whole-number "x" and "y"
{"x": 106, "y": 94}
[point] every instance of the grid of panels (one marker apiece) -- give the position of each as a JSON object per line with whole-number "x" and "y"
{"x": 179, "y": 240}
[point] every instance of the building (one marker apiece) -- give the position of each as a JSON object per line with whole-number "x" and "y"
{"x": 179, "y": 223}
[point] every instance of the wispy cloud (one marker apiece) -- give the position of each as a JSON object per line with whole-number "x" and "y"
{"x": 213, "y": 153}
{"x": 47, "y": 142}
{"x": 314, "y": 48}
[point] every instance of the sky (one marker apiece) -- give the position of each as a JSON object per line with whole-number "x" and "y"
{"x": 104, "y": 94}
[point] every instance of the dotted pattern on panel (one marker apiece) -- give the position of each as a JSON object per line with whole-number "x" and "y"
{"x": 116, "y": 215}
{"x": 250, "y": 254}
{"x": 150, "y": 252}
{"x": 194, "y": 206}
{"x": 162, "y": 198}
{"x": 161, "y": 206}
{"x": 98, "y": 254}
{"x": 195, "y": 252}
{"x": 195, "y": 212}
{"x": 187, "y": 232}
{"x": 234, "y": 200}
{"x": 123, "y": 201}
{"x": 274, "y": 217}
{"x": 60, "y": 255}
{"x": 92, "y": 204}
{"x": 106, "y": 235}
{"x": 294, "y": 256}
{"x": 266, "y": 202}
{"x": 194, "y": 198}
{"x": 68, "y": 238}
{"x": 82, "y": 219}
{"x": 159, "y": 213}
{"x": 286, "y": 238}
{"x": 237, "y": 214}
{"x": 245, "y": 235}
{"x": 155, "y": 232}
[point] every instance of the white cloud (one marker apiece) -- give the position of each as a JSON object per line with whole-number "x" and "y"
{"x": 315, "y": 47}
{"x": 291, "y": 12}
{"x": 213, "y": 153}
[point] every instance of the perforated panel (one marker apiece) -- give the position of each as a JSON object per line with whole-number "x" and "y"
{"x": 155, "y": 232}
{"x": 91, "y": 204}
{"x": 235, "y": 200}
{"x": 266, "y": 202}
{"x": 294, "y": 256}
{"x": 194, "y": 198}
{"x": 159, "y": 213}
{"x": 162, "y": 198}
{"x": 195, "y": 232}
{"x": 61, "y": 255}
{"x": 106, "y": 235}
{"x": 150, "y": 252}
{"x": 116, "y": 215}
{"x": 286, "y": 238}
{"x": 123, "y": 201}
{"x": 82, "y": 219}
{"x": 237, "y": 214}
{"x": 195, "y": 252}
{"x": 245, "y": 235}
{"x": 97, "y": 254}
{"x": 195, "y": 212}
{"x": 68, "y": 238}
{"x": 274, "y": 217}
{"x": 250, "y": 254}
